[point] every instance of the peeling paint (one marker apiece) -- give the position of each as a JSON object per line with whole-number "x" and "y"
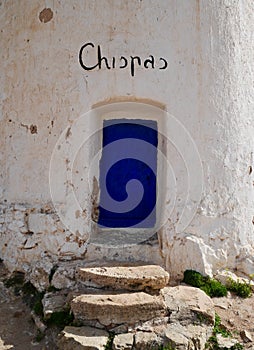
{"x": 46, "y": 15}
{"x": 95, "y": 200}
{"x": 68, "y": 133}
{"x": 33, "y": 129}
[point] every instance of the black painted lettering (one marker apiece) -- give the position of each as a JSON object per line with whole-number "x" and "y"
{"x": 125, "y": 64}
{"x": 81, "y": 57}
{"x": 133, "y": 58}
{"x": 149, "y": 61}
{"x": 113, "y": 62}
{"x": 165, "y": 63}
{"x": 101, "y": 58}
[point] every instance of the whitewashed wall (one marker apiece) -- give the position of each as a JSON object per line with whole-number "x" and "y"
{"x": 207, "y": 87}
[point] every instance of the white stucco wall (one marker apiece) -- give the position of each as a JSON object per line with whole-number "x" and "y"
{"x": 207, "y": 87}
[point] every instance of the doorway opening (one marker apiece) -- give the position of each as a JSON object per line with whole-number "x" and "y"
{"x": 128, "y": 174}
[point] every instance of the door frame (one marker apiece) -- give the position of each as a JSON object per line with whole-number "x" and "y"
{"x": 128, "y": 110}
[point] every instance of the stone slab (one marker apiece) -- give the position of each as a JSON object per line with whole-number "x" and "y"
{"x": 175, "y": 338}
{"x": 82, "y": 338}
{"x": 5, "y": 347}
{"x": 147, "y": 341}
{"x": 113, "y": 309}
{"x": 188, "y": 305}
{"x": 134, "y": 278}
{"x": 53, "y": 302}
{"x": 225, "y": 343}
{"x": 123, "y": 342}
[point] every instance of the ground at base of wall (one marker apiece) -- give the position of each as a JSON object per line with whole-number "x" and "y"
{"x": 18, "y": 331}
{"x": 237, "y": 316}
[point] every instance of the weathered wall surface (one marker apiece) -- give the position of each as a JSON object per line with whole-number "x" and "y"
{"x": 207, "y": 87}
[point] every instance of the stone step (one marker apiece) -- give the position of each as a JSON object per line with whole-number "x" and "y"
{"x": 133, "y": 278}
{"x": 117, "y": 309}
{"x": 82, "y": 338}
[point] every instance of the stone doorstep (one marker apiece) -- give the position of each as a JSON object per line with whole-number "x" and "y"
{"x": 115, "y": 309}
{"x": 132, "y": 278}
{"x": 105, "y": 310}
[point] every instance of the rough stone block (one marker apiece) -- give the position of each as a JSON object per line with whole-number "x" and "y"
{"x": 113, "y": 309}
{"x": 147, "y": 341}
{"x": 134, "y": 278}
{"x": 225, "y": 343}
{"x": 174, "y": 337}
{"x": 41, "y": 223}
{"x": 187, "y": 304}
{"x": 53, "y": 302}
{"x": 82, "y": 338}
{"x": 123, "y": 342}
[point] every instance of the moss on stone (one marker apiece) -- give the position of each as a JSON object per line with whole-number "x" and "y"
{"x": 210, "y": 286}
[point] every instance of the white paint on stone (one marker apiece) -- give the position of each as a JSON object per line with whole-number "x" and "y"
{"x": 207, "y": 87}
{"x": 41, "y": 223}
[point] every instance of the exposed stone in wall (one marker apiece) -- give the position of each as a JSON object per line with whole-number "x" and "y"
{"x": 33, "y": 240}
{"x": 34, "y": 236}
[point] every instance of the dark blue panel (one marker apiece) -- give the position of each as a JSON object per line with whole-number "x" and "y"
{"x": 140, "y": 129}
{"x": 129, "y": 153}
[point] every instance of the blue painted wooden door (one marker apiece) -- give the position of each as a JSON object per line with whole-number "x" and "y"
{"x": 128, "y": 169}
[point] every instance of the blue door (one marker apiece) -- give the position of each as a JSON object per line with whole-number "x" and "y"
{"x": 128, "y": 169}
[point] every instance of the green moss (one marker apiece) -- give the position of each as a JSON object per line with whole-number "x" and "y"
{"x": 210, "y": 286}
{"x": 237, "y": 346}
{"x": 167, "y": 347}
{"x": 214, "y": 288}
{"x": 193, "y": 278}
{"x": 243, "y": 290}
{"x": 201, "y": 318}
{"x": 219, "y": 329}
{"x": 109, "y": 344}
{"x": 212, "y": 343}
